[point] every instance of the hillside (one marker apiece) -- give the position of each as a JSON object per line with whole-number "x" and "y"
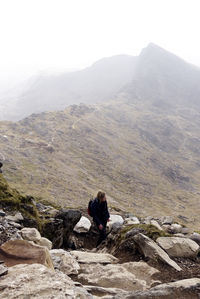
{"x": 142, "y": 147}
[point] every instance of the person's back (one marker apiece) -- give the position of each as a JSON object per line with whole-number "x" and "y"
{"x": 100, "y": 215}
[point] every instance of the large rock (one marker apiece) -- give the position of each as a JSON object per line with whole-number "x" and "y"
{"x": 115, "y": 220}
{"x": 64, "y": 261}
{"x": 83, "y": 226}
{"x": 58, "y": 229}
{"x": 151, "y": 250}
{"x": 30, "y": 234}
{"x": 93, "y": 258}
{"x": 36, "y": 281}
{"x": 178, "y": 246}
{"x": 186, "y": 289}
{"x": 45, "y": 243}
{"x": 23, "y": 252}
{"x": 127, "y": 276}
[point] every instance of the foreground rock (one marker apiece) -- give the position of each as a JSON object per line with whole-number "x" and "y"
{"x": 91, "y": 257}
{"x": 64, "y": 261}
{"x": 178, "y": 247}
{"x": 83, "y": 226}
{"x": 36, "y": 281}
{"x": 186, "y": 288}
{"x": 23, "y": 252}
{"x": 127, "y": 276}
{"x": 151, "y": 250}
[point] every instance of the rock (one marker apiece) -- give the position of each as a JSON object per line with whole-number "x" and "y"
{"x": 45, "y": 243}
{"x": 186, "y": 288}
{"x": 8, "y": 231}
{"x": 3, "y": 270}
{"x": 16, "y": 218}
{"x": 64, "y": 261}
{"x": 36, "y": 281}
{"x": 83, "y": 226}
{"x": 2, "y": 213}
{"x": 22, "y": 252}
{"x": 30, "y": 234}
{"x": 186, "y": 231}
{"x": 179, "y": 247}
{"x": 53, "y": 230}
{"x": 179, "y": 235}
{"x": 132, "y": 220}
{"x": 115, "y": 219}
{"x": 166, "y": 220}
{"x": 102, "y": 292}
{"x": 127, "y": 276}
{"x": 176, "y": 228}
{"x": 16, "y": 225}
{"x": 166, "y": 228}
{"x": 151, "y": 250}
{"x": 91, "y": 257}
{"x": 147, "y": 220}
{"x": 195, "y": 237}
{"x": 156, "y": 224}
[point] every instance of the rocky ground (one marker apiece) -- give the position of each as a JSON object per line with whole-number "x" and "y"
{"x": 50, "y": 253}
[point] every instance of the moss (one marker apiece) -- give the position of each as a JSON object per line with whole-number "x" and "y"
{"x": 149, "y": 230}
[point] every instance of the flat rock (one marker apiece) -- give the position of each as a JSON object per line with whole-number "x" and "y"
{"x": 151, "y": 250}
{"x": 16, "y": 218}
{"x": 127, "y": 276}
{"x": 186, "y": 289}
{"x": 178, "y": 246}
{"x": 91, "y": 257}
{"x": 23, "y": 252}
{"x": 30, "y": 234}
{"x": 83, "y": 226}
{"x": 37, "y": 281}
{"x": 64, "y": 261}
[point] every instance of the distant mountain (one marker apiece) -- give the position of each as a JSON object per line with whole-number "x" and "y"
{"x": 162, "y": 78}
{"x": 97, "y": 83}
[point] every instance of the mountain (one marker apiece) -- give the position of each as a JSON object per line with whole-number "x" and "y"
{"x": 47, "y": 92}
{"x": 142, "y": 147}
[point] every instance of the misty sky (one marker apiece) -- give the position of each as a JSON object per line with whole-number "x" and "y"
{"x": 57, "y": 34}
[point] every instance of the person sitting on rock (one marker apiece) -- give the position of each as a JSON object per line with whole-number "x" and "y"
{"x": 100, "y": 215}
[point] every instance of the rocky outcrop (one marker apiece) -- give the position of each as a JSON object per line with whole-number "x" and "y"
{"x": 179, "y": 247}
{"x": 23, "y": 252}
{"x": 37, "y": 281}
{"x": 151, "y": 250}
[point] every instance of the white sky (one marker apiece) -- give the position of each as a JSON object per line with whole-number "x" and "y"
{"x": 43, "y": 34}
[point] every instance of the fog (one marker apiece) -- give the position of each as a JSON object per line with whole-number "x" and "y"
{"x": 38, "y": 35}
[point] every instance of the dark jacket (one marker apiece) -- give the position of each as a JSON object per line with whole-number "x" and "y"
{"x": 100, "y": 212}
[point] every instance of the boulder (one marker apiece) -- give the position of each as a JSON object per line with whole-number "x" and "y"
{"x": 37, "y": 281}
{"x": 156, "y": 224}
{"x": 64, "y": 261}
{"x": 83, "y": 226}
{"x": 179, "y": 247}
{"x": 151, "y": 250}
{"x": 45, "y": 243}
{"x": 132, "y": 220}
{"x": 93, "y": 258}
{"x": 127, "y": 276}
{"x": 176, "y": 228}
{"x": 30, "y": 234}
{"x": 16, "y": 218}
{"x": 195, "y": 237}
{"x": 23, "y": 252}
{"x": 115, "y": 219}
{"x": 186, "y": 288}
{"x": 166, "y": 220}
